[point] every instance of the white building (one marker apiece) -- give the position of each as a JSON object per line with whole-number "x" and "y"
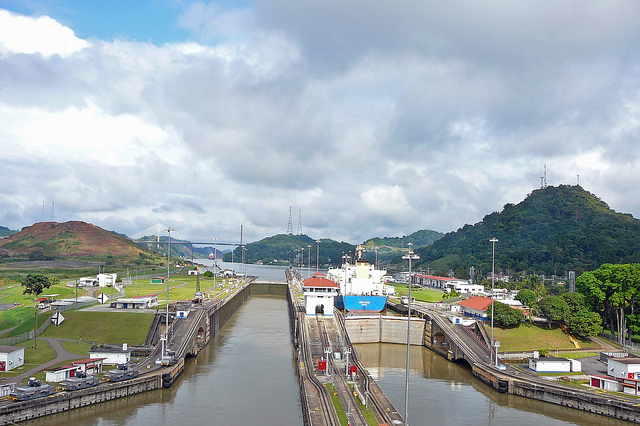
{"x": 319, "y": 295}
{"x": 105, "y": 280}
{"x": 90, "y": 366}
{"x": 463, "y": 287}
{"x": 11, "y": 357}
{"x": 147, "y": 302}
{"x": 550, "y": 365}
{"x": 624, "y": 367}
{"x": 59, "y": 374}
{"x": 111, "y": 356}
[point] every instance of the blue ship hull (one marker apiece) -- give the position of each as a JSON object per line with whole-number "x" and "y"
{"x": 367, "y": 304}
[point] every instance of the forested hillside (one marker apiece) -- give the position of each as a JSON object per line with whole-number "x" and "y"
{"x": 555, "y": 229}
{"x": 285, "y": 248}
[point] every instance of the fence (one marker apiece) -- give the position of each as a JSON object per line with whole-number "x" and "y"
{"x": 629, "y": 345}
{"x": 9, "y": 341}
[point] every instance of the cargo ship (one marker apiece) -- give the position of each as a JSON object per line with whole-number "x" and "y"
{"x": 362, "y": 286}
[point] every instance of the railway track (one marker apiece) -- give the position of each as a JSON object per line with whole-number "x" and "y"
{"x": 366, "y": 380}
{"x": 329, "y": 413}
{"x": 348, "y": 399}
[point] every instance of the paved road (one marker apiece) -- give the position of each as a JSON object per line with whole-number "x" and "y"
{"x": 61, "y": 355}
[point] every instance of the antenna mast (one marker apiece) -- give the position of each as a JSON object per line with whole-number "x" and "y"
{"x": 290, "y": 225}
{"x": 300, "y": 222}
{"x": 52, "y": 205}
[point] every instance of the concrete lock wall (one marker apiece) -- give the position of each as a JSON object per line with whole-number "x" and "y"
{"x": 384, "y": 330}
{"x": 64, "y": 401}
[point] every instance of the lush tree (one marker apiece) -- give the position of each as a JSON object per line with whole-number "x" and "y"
{"x": 554, "y": 308}
{"x": 534, "y": 283}
{"x": 584, "y": 323}
{"x": 527, "y": 297}
{"x": 35, "y": 284}
{"x": 574, "y": 300}
{"x": 505, "y": 315}
{"x": 613, "y": 290}
{"x": 208, "y": 274}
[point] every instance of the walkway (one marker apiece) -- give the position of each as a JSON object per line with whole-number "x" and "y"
{"x": 61, "y": 355}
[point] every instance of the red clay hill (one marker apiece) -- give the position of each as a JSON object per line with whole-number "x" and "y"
{"x": 73, "y": 239}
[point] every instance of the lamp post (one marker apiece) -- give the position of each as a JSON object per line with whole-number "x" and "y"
{"x": 376, "y": 249}
{"x": 493, "y": 242}
{"x": 410, "y": 256}
{"x": 215, "y": 262}
{"x": 308, "y": 260}
{"x": 318, "y": 255}
{"x": 166, "y": 325}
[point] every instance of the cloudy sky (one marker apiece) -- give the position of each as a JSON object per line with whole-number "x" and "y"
{"x": 372, "y": 118}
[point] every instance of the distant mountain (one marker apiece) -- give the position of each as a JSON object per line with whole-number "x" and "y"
{"x": 179, "y": 248}
{"x": 285, "y": 249}
{"x": 390, "y": 247}
{"x": 554, "y": 230}
{"x": 74, "y": 239}
{"x": 5, "y": 232}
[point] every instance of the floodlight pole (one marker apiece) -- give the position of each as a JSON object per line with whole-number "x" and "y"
{"x": 165, "y": 341}
{"x": 410, "y": 256}
{"x": 493, "y": 242}
{"x": 308, "y": 260}
{"x": 318, "y": 255}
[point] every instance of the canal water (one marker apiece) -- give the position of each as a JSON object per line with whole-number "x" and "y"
{"x": 246, "y": 376}
{"x": 446, "y": 393}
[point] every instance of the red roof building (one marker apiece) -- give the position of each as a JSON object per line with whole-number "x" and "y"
{"x": 319, "y": 294}
{"x": 475, "y": 306}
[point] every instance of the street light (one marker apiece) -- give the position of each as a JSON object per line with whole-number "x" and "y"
{"x": 318, "y": 255}
{"x": 410, "y": 256}
{"x": 493, "y": 242}
{"x": 308, "y": 259}
{"x": 215, "y": 262}
{"x": 166, "y": 326}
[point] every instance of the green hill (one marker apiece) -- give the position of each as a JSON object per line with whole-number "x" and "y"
{"x": 390, "y": 247}
{"x": 281, "y": 249}
{"x": 554, "y": 230}
{"x": 5, "y": 232}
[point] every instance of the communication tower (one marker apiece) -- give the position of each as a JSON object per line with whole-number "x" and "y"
{"x": 290, "y": 225}
{"x": 300, "y": 223}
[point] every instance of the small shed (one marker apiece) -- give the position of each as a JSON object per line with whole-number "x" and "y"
{"x": 111, "y": 355}
{"x": 550, "y": 364}
{"x": 607, "y": 383}
{"x": 59, "y": 374}
{"x": 90, "y": 366}
{"x": 319, "y": 295}
{"x": 11, "y": 357}
{"x": 157, "y": 280}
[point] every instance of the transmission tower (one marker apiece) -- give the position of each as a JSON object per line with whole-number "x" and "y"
{"x": 300, "y": 223}
{"x": 290, "y": 226}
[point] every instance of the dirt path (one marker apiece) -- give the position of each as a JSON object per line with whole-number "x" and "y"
{"x": 61, "y": 355}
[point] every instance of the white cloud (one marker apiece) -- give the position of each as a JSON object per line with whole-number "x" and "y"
{"x": 377, "y": 120}
{"x": 24, "y": 34}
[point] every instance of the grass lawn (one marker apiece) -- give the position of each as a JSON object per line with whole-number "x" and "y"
{"x": 80, "y": 348}
{"x": 103, "y": 327}
{"x": 33, "y": 357}
{"x": 424, "y": 295}
{"x": 528, "y": 337}
{"x": 181, "y": 287}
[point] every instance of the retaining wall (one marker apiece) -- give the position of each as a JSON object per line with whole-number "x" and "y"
{"x": 384, "y": 329}
{"x": 63, "y": 401}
